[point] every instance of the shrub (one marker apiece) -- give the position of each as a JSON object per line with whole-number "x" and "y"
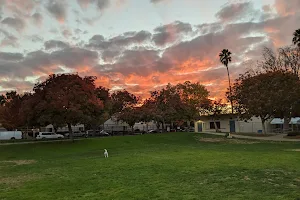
{"x": 293, "y": 133}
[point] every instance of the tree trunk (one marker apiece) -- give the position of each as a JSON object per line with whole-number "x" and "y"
{"x": 286, "y": 123}
{"x": 70, "y": 132}
{"x": 263, "y": 126}
{"x": 163, "y": 125}
{"x": 55, "y": 128}
{"x": 230, "y": 93}
{"x": 94, "y": 130}
{"x": 216, "y": 127}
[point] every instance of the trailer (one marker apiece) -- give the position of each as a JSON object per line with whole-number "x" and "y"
{"x": 10, "y": 135}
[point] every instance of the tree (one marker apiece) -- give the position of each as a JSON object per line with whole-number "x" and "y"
{"x": 67, "y": 97}
{"x": 266, "y": 94}
{"x": 121, "y": 100}
{"x": 167, "y": 105}
{"x": 194, "y": 98}
{"x": 100, "y": 115}
{"x": 215, "y": 109}
{"x": 225, "y": 59}
{"x": 130, "y": 116}
{"x": 11, "y": 116}
{"x": 285, "y": 59}
{"x": 296, "y": 38}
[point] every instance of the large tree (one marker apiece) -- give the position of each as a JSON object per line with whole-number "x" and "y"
{"x": 284, "y": 59}
{"x": 67, "y": 97}
{"x": 99, "y": 115}
{"x": 225, "y": 59}
{"x": 194, "y": 98}
{"x": 266, "y": 95}
{"x": 121, "y": 100}
{"x": 11, "y": 116}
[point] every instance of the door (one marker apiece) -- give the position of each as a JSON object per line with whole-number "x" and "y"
{"x": 200, "y": 127}
{"x": 232, "y": 126}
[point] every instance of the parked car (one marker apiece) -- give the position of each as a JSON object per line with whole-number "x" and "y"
{"x": 48, "y": 135}
{"x": 152, "y": 131}
{"x": 97, "y": 133}
{"x": 10, "y": 135}
{"x": 76, "y": 134}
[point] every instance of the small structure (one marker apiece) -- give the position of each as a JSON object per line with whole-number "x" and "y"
{"x": 230, "y": 123}
{"x": 277, "y": 124}
{"x": 50, "y": 128}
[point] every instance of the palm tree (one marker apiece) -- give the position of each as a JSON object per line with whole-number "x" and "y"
{"x": 225, "y": 58}
{"x": 296, "y": 38}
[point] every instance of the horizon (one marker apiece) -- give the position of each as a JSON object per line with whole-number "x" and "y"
{"x": 126, "y": 48}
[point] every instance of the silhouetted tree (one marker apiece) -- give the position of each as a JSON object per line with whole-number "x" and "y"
{"x": 296, "y": 38}
{"x": 225, "y": 59}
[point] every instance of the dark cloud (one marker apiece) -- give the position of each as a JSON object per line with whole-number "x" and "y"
{"x": 15, "y": 23}
{"x": 38, "y": 18}
{"x": 132, "y": 62}
{"x": 235, "y": 11}
{"x": 11, "y": 56}
{"x": 8, "y": 40}
{"x": 129, "y": 38}
{"x": 101, "y": 4}
{"x": 35, "y": 38}
{"x": 40, "y": 62}
{"x": 67, "y": 33}
{"x": 170, "y": 32}
{"x": 55, "y": 44}
{"x": 57, "y": 9}
{"x": 157, "y": 1}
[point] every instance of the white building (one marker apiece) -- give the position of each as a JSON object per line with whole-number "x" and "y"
{"x": 231, "y": 123}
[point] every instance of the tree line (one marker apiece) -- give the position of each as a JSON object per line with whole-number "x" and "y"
{"x": 68, "y": 99}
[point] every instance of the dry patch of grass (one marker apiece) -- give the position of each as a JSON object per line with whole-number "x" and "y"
{"x": 18, "y": 162}
{"x": 17, "y": 181}
{"x": 225, "y": 140}
{"x": 298, "y": 150}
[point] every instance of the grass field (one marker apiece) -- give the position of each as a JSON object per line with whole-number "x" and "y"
{"x": 163, "y": 166}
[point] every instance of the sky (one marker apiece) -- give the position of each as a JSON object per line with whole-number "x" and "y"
{"x": 139, "y": 45}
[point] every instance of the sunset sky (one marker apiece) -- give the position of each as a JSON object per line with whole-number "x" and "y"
{"x": 138, "y": 45}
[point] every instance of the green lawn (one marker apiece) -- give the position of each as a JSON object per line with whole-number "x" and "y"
{"x": 162, "y": 166}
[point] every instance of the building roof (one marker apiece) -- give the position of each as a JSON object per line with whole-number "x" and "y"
{"x": 294, "y": 120}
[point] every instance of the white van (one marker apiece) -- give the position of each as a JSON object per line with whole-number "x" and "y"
{"x": 10, "y": 135}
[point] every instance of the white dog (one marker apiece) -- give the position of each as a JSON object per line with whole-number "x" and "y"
{"x": 105, "y": 153}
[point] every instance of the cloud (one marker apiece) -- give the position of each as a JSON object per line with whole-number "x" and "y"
{"x": 11, "y": 56}
{"x": 15, "y": 23}
{"x": 55, "y": 44}
{"x": 38, "y": 18}
{"x": 170, "y": 33}
{"x": 44, "y": 63}
{"x": 289, "y": 7}
{"x": 67, "y": 33}
{"x": 235, "y": 11}
{"x": 8, "y": 40}
{"x": 121, "y": 41}
{"x": 57, "y": 10}
{"x": 157, "y": 1}
{"x": 100, "y": 4}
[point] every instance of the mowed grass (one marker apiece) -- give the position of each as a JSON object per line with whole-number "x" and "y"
{"x": 162, "y": 166}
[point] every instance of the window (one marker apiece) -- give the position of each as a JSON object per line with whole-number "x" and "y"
{"x": 212, "y": 125}
{"x": 46, "y": 133}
